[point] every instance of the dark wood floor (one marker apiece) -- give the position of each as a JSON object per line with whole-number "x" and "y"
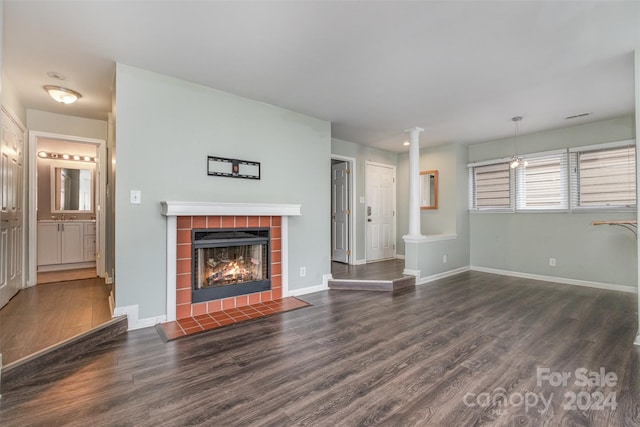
{"x": 382, "y": 270}
{"x": 44, "y": 315}
{"x": 425, "y": 357}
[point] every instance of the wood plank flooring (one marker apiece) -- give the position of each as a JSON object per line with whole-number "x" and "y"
{"x": 441, "y": 354}
{"x": 382, "y": 270}
{"x": 44, "y": 315}
{"x": 65, "y": 275}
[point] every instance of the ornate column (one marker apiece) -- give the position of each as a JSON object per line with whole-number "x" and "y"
{"x": 414, "y": 182}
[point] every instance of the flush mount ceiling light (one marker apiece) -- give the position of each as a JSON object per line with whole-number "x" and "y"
{"x": 62, "y": 95}
{"x": 406, "y": 143}
{"x": 516, "y": 160}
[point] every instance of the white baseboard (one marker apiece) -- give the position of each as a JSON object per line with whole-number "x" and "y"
{"x": 360, "y": 262}
{"x": 637, "y": 341}
{"x": 61, "y": 267}
{"x": 108, "y": 279}
{"x": 309, "y": 290}
{"x": 131, "y": 311}
{"x": 563, "y": 280}
{"x": 410, "y": 272}
{"x": 434, "y": 277}
{"x": 399, "y": 256}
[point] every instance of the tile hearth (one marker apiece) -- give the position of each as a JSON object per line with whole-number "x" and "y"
{"x": 181, "y": 328}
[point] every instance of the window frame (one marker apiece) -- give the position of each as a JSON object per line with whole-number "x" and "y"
{"x": 472, "y": 186}
{"x": 570, "y": 187}
{"x": 574, "y": 177}
{"x": 521, "y": 187}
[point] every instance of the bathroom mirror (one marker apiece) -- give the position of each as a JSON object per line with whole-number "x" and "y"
{"x": 429, "y": 189}
{"x": 71, "y": 189}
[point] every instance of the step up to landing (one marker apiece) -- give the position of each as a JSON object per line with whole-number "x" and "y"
{"x": 373, "y": 284}
{"x": 16, "y": 373}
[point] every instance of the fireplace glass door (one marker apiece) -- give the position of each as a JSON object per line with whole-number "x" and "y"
{"x": 230, "y": 262}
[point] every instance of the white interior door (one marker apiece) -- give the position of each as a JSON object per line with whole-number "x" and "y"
{"x": 11, "y": 208}
{"x": 340, "y": 212}
{"x": 381, "y": 205}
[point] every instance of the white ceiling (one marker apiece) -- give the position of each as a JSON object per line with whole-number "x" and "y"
{"x": 460, "y": 69}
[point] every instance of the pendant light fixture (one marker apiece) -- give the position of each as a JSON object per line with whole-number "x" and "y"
{"x": 516, "y": 160}
{"x": 62, "y": 94}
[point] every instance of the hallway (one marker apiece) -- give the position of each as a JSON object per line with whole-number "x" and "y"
{"x": 44, "y": 315}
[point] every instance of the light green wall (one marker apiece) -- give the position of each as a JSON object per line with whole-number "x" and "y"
{"x": 362, "y": 154}
{"x": 165, "y": 128}
{"x": 451, "y": 217}
{"x": 524, "y": 242}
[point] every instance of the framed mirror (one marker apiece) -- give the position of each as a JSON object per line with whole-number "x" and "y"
{"x": 429, "y": 189}
{"x": 71, "y": 189}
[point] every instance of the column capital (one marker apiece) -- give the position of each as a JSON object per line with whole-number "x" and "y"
{"x": 412, "y": 130}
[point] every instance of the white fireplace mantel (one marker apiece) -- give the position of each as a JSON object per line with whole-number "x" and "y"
{"x": 172, "y": 210}
{"x": 228, "y": 209}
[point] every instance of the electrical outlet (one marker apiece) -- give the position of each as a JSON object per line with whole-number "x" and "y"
{"x": 445, "y": 258}
{"x": 552, "y": 262}
{"x": 303, "y": 271}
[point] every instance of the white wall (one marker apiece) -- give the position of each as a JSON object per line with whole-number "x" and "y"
{"x": 44, "y": 121}
{"x": 165, "y": 128}
{"x": 524, "y": 242}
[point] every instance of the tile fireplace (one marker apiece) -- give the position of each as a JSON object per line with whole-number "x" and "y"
{"x": 225, "y": 255}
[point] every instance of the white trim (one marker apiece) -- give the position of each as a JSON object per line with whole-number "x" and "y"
{"x": 603, "y": 146}
{"x": 326, "y": 278}
{"x": 562, "y": 280}
{"x": 70, "y": 266}
{"x": 429, "y": 238}
{"x": 360, "y": 262}
{"x": 100, "y": 144}
{"x": 26, "y": 280}
{"x": 284, "y": 251}
{"x": 399, "y": 256}
{"x": 443, "y": 275}
{"x": 410, "y": 272}
{"x": 171, "y": 208}
{"x": 172, "y": 225}
{"x": 351, "y": 259}
{"x": 309, "y": 290}
{"x": 134, "y": 322}
{"x": 637, "y": 341}
{"x": 489, "y": 162}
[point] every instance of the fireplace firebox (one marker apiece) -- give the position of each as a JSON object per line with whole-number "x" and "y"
{"x": 230, "y": 262}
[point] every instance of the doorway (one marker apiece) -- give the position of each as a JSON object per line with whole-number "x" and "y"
{"x": 86, "y": 234}
{"x": 380, "y": 212}
{"x": 342, "y": 209}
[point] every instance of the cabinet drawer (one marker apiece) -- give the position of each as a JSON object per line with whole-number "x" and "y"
{"x": 90, "y": 228}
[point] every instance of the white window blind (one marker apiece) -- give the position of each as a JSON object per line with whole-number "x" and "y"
{"x": 490, "y": 186}
{"x": 542, "y": 183}
{"x": 603, "y": 177}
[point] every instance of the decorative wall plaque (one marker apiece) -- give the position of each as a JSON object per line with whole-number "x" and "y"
{"x": 232, "y": 168}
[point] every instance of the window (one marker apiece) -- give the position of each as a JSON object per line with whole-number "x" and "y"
{"x": 601, "y": 176}
{"x": 542, "y": 182}
{"x": 604, "y": 176}
{"x": 490, "y": 186}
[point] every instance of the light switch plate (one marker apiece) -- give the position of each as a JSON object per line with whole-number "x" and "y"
{"x": 135, "y": 197}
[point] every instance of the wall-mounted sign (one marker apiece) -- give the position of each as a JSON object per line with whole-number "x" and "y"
{"x": 232, "y": 168}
